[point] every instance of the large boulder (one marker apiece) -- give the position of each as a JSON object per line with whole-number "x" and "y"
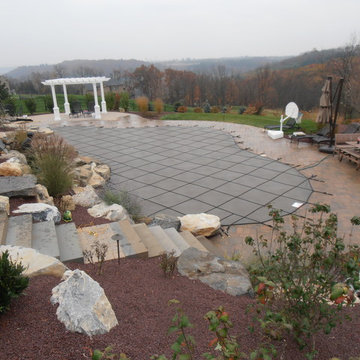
{"x": 18, "y": 185}
{"x": 10, "y": 169}
{"x": 35, "y": 263}
{"x": 219, "y": 273}
{"x": 7, "y": 137}
{"x": 85, "y": 196}
{"x": 165, "y": 221}
{"x": 40, "y": 212}
{"x": 200, "y": 224}
{"x": 82, "y": 174}
{"x": 103, "y": 170}
{"x": 114, "y": 212}
{"x": 83, "y": 305}
{"x": 96, "y": 180}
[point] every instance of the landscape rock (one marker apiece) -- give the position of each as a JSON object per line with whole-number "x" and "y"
{"x": 67, "y": 203}
{"x": 219, "y": 273}
{"x": 200, "y": 224}
{"x": 82, "y": 174}
{"x": 42, "y": 195}
{"x": 40, "y": 212}
{"x": 35, "y": 263}
{"x": 45, "y": 131}
{"x": 15, "y": 154}
{"x": 83, "y": 160}
{"x": 10, "y": 169}
{"x": 112, "y": 212}
{"x": 18, "y": 185}
{"x": 103, "y": 170}
{"x": 165, "y": 221}
{"x": 83, "y": 305}
{"x": 96, "y": 180}
{"x": 7, "y": 137}
{"x": 4, "y": 204}
{"x": 85, "y": 196}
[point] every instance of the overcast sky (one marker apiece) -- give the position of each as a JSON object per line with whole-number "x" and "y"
{"x": 47, "y": 31}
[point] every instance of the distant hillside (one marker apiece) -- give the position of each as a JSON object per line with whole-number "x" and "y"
{"x": 106, "y": 67}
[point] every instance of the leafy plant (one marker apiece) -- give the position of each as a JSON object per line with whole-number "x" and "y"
{"x": 12, "y": 280}
{"x": 168, "y": 263}
{"x": 99, "y": 250}
{"x": 241, "y": 109}
{"x": 183, "y": 347}
{"x": 107, "y": 354}
{"x": 51, "y": 159}
{"x": 124, "y": 101}
{"x": 300, "y": 279}
{"x": 48, "y": 103}
{"x": 207, "y": 107}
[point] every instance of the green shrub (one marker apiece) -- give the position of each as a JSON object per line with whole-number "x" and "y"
{"x": 12, "y": 282}
{"x": 110, "y": 100}
{"x": 48, "y": 103}
{"x": 51, "y": 159}
{"x": 31, "y": 105}
{"x": 125, "y": 199}
{"x": 207, "y": 108}
{"x": 300, "y": 281}
{"x": 242, "y": 109}
{"x": 124, "y": 101}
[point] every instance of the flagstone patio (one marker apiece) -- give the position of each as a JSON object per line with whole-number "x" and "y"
{"x": 181, "y": 170}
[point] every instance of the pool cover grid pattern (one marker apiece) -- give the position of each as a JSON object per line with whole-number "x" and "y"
{"x": 182, "y": 170}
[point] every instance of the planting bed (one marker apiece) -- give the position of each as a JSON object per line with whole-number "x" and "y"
{"x": 139, "y": 294}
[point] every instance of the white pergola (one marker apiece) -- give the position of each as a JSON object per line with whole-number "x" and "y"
{"x": 77, "y": 81}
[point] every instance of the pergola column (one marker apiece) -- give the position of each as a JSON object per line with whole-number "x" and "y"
{"x": 66, "y": 103}
{"x": 103, "y": 102}
{"x": 96, "y": 107}
{"x": 55, "y": 108}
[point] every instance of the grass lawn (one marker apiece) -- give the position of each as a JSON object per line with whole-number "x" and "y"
{"x": 308, "y": 126}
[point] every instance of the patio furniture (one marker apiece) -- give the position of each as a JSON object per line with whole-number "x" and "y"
{"x": 76, "y": 109}
{"x": 345, "y": 141}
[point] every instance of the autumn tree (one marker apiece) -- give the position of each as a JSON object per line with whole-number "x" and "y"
{"x": 148, "y": 80}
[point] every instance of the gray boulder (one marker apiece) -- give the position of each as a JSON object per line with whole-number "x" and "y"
{"x": 219, "y": 273}
{"x": 165, "y": 221}
{"x": 83, "y": 305}
{"x": 40, "y": 212}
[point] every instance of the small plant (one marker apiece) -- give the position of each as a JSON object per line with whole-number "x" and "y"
{"x": 142, "y": 103}
{"x": 242, "y": 109}
{"x": 98, "y": 250}
{"x": 51, "y": 159}
{"x": 168, "y": 263}
{"x": 177, "y": 105}
{"x": 301, "y": 277}
{"x": 159, "y": 105}
{"x": 124, "y": 101}
{"x": 198, "y": 110}
{"x": 20, "y": 138}
{"x": 207, "y": 107}
{"x": 31, "y": 105}
{"x": 12, "y": 280}
{"x": 182, "y": 109}
{"x": 110, "y": 98}
{"x": 183, "y": 347}
{"x": 214, "y": 109}
{"x": 107, "y": 354}
{"x": 125, "y": 199}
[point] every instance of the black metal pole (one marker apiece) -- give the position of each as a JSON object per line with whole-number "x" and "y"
{"x": 339, "y": 91}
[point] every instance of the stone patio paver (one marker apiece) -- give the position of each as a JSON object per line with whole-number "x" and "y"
{"x": 189, "y": 170}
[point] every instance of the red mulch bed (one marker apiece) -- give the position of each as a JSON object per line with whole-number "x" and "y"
{"x": 139, "y": 294}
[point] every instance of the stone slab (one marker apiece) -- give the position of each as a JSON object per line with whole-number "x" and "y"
{"x": 19, "y": 231}
{"x": 44, "y": 239}
{"x": 177, "y": 239}
{"x": 18, "y": 185}
{"x": 149, "y": 240}
{"x": 192, "y": 240}
{"x": 69, "y": 244}
{"x": 166, "y": 242}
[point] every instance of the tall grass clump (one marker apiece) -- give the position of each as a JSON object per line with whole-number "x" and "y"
{"x": 143, "y": 104}
{"x": 51, "y": 159}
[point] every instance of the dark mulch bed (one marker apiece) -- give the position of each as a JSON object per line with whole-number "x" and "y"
{"x": 139, "y": 294}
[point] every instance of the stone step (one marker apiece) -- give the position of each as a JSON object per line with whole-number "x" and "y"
{"x": 166, "y": 242}
{"x": 177, "y": 239}
{"x": 210, "y": 246}
{"x": 44, "y": 238}
{"x": 19, "y": 231}
{"x": 3, "y": 227}
{"x": 193, "y": 241}
{"x": 148, "y": 239}
{"x": 136, "y": 248}
{"x": 69, "y": 244}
